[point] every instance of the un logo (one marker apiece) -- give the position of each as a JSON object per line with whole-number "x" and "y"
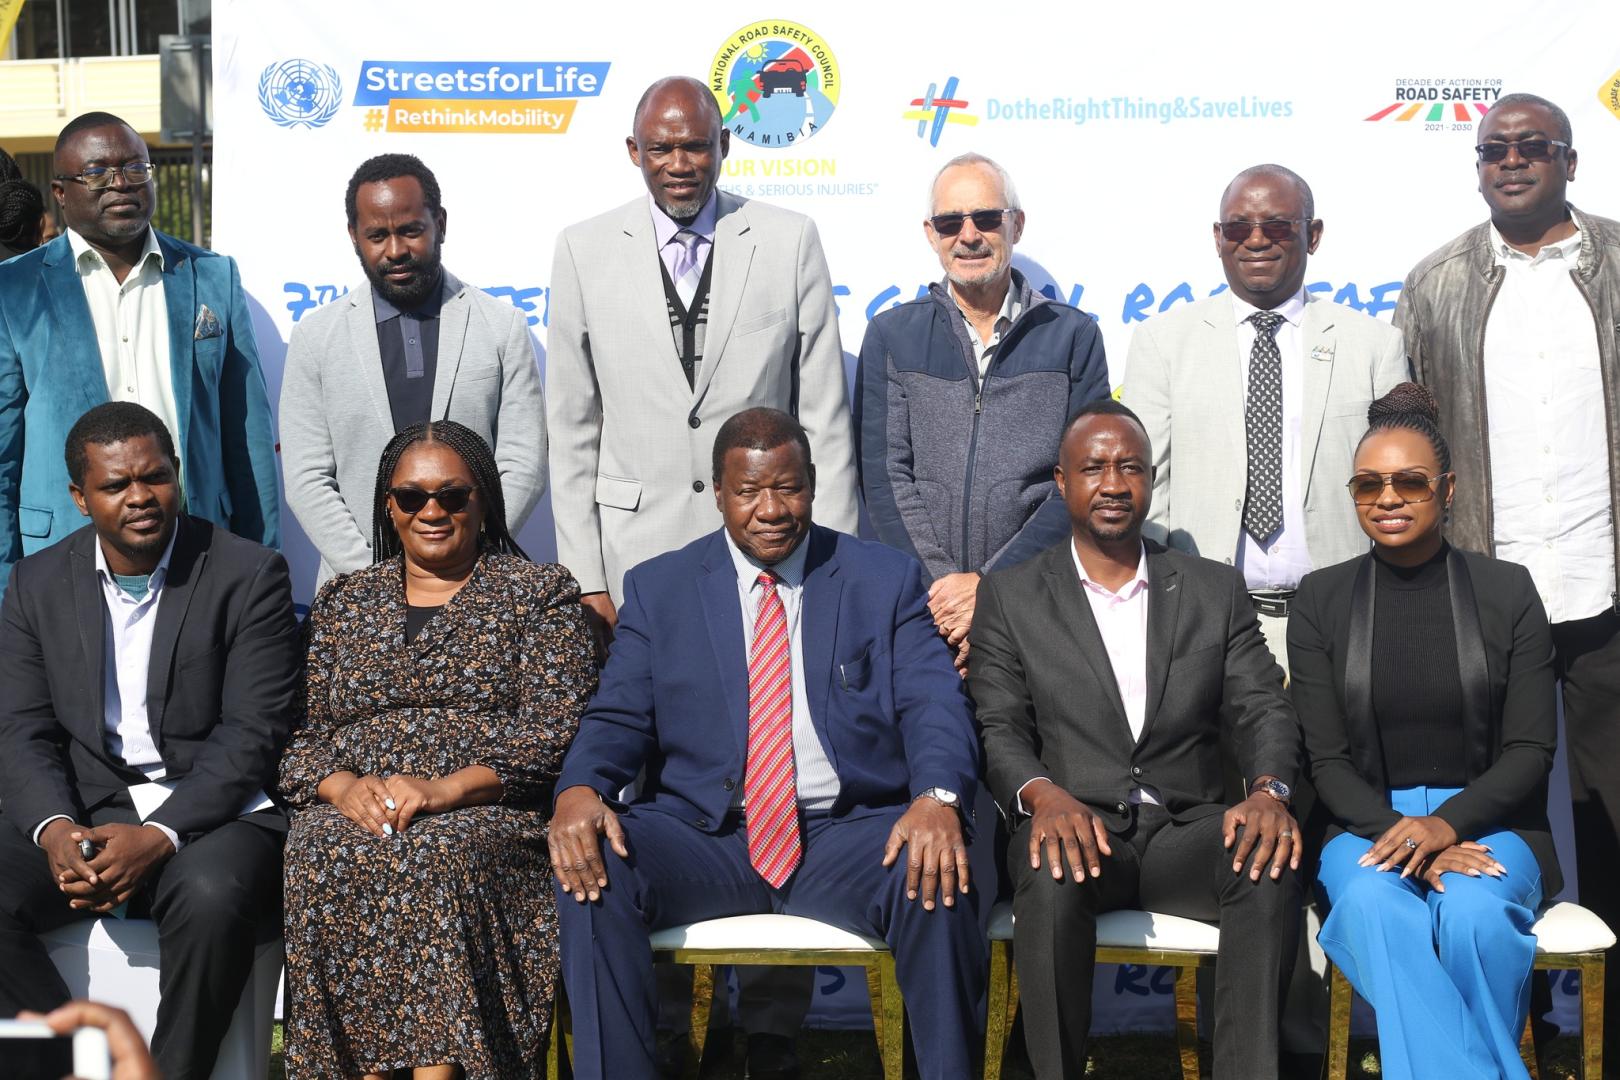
{"x": 297, "y": 93}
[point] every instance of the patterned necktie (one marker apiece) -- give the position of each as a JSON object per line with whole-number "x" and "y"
{"x": 1262, "y": 503}
{"x": 769, "y": 785}
{"x": 688, "y": 270}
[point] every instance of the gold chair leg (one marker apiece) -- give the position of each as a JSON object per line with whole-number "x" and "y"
{"x": 1527, "y": 1051}
{"x": 1187, "y": 1020}
{"x": 1593, "y": 975}
{"x": 560, "y": 1024}
{"x": 1340, "y": 1000}
{"x": 995, "y": 1018}
{"x": 702, "y": 1003}
{"x": 888, "y": 1015}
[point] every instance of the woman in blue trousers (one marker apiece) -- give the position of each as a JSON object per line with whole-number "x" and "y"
{"x": 1424, "y": 684}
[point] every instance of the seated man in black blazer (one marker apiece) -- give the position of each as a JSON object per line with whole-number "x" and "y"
{"x": 148, "y": 657}
{"x": 1107, "y": 671}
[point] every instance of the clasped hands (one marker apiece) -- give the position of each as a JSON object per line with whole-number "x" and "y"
{"x": 936, "y": 860}
{"x": 1070, "y": 834}
{"x": 126, "y": 857}
{"x": 951, "y": 600}
{"x": 384, "y": 805}
{"x": 1434, "y": 850}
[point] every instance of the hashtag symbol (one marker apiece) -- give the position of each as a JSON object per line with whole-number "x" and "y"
{"x": 931, "y": 110}
{"x": 375, "y": 119}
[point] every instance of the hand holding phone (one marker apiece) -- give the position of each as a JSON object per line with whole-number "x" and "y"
{"x": 35, "y": 1051}
{"x": 113, "y": 1047}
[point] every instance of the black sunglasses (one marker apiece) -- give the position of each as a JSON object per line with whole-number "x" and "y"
{"x": 1413, "y": 487}
{"x": 1272, "y": 229}
{"x": 452, "y": 500}
{"x": 1529, "y": 149}
{"x": 983, "y": 220}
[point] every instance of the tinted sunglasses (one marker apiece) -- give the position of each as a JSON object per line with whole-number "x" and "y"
{"x": 1272, "y": 229}
{"x": 983, "y": 220}
{"x": 452, "y": 500}
{"x": 1529, "y": 150}
{"x": 1413, "y": 487}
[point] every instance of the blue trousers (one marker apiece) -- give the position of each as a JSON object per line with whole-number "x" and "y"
{"x": 1447, "y": 973}
{"x": 676, "y": 874}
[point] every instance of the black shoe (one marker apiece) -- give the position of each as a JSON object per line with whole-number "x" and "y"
{"x": 772, "y": 1057}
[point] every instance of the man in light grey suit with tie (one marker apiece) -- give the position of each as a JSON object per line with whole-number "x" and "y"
{"x": 668, "y": 316}
{"x": 1254, "y": 400}
{"x": 410, "y": 344}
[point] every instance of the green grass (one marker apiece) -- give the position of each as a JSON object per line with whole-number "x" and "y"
{"x": 851, "y": 1055}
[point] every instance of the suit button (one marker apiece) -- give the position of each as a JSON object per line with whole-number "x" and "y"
{"x": 702, "y": 823}
{"x": 1136, "y": 770}
{"x": 1121, "y": 807}
{"x": 1238, "y": 505}
{"x": 1228, "y": 560}
{"x": 693, "y": 421}
{"x": 697, "y": 485}
{"x": 729, "y": 784}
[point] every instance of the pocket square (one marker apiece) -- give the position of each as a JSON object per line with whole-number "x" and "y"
{"x": 207, "y": 325}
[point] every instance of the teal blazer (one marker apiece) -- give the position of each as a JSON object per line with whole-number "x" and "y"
{"x": 51, "y": 374}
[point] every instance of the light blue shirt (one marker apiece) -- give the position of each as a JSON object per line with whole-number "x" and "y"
{"x": 665, "y": 228}
{"x": 817, "y": 782}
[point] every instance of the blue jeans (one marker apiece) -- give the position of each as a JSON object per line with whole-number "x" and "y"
{"x": 1447, "y": 973}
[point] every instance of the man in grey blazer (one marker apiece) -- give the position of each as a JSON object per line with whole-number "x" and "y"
{"x": 1254, "y": 400}
{"x": 412, "y": 343}
{"x": 669, "y": 315}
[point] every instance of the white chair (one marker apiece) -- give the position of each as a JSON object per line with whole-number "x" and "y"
{"x": 1123, "y": 937}
{"x": 1568, "y": 937}
{"x": 116, "y": 961}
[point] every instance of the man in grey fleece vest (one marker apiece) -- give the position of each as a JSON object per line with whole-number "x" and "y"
{"x": 962, "y": 396}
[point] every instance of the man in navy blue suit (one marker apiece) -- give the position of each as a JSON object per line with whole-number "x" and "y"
{"x": 802, "y": 727}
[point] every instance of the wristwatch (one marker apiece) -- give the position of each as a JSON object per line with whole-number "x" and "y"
{"x": 948, "y": 799}
{"x": 1275, "y": 788}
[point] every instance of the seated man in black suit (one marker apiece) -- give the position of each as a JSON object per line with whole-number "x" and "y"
{"x": 147, "y": 657}
{"x": 1106, "y": 672}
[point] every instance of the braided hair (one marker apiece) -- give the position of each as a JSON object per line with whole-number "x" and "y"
{"x": 21, "y": 208}
{"x": 1410, "y": 406}
{"x": 480, "y": 461}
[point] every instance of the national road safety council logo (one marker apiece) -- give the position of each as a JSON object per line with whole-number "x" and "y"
{"x": 1609, "y": 94}
{"x": 300, "y": 93}
{"x": 777, "y": 83}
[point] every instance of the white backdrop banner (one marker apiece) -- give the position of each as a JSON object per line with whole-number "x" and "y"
{"x": 1121, "y": 124}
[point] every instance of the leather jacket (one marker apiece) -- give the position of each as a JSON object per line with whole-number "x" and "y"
{"x": 1442, "y": 313}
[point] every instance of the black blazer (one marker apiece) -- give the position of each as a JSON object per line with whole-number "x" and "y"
{"x": 221, "y": 692}
{"x": 1505, "y": 658}
{"x": 1049, "y": 705}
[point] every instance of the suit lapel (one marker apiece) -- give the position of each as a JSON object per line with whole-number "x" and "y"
{"x": 362, "y": 320}
{"x": 180, "y": 297}
{"x": 1472, "y": 669}
{"x": 77, "y": 365}
{"x": 1164, "y": 608}
{"x": 1074, "y": 615}
{"x": 732, "y": 255}
{"x": 723, "y": 617}
{"x": 179, "y": 585}
{"x": 1316, "y": 335}
{"x": 1365, "y": 747}
{"x": 90, "y": 612}
{"x": 645, "y": 282}
{"x": 453, "y": 315}
{"x": 822, "y": 596}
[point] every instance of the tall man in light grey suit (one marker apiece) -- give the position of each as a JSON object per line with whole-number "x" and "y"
{"x": 1254, "y": 400}
{"x": 668, "y": 316}
{"x": 410, "y": 344}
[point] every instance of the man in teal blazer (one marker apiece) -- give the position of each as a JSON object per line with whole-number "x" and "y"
{"x": 82, "y": 321}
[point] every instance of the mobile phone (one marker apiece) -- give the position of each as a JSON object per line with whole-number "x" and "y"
{"x": 38, "y": 1053}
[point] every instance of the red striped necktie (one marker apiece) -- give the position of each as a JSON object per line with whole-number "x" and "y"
{"x": 769, "y": 783}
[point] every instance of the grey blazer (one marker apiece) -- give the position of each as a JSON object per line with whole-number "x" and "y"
{"x": 1182, "y": 379}
{"x": 631, "y": 440}
{"x": 335, "y": 419}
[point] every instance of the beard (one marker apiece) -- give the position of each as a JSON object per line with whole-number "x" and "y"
{"x": 410, "y": 294}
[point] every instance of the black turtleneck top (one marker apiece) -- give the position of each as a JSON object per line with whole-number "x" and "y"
{"x": 1416, "y": 690}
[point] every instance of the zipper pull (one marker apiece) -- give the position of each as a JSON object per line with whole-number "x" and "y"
{"x": 978, "y": 402}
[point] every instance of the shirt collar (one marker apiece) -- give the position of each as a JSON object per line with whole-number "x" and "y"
{"x": 1010, "y": 307}
{"x": 790, "y": 569}
{"x": 81, "y": 248}
{"x": 1292, "y": 310}
{"x": 1567, "y": 249}
{"x": 429, "y": 308}
{"x": 665, "y": 227}
{"x": 1126, "y": 591}
{"x": 160, "y": 573}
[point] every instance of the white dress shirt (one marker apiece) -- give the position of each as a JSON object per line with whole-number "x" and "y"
{"x": 817, "y": 782}
{"x": 1283, "y": 559}
{"x": 132, "y": 327}
{"x": 985, "y": 350}
{"x": 1549, "y": 448}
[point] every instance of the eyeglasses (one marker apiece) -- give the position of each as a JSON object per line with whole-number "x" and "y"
{"x": 983, "y": 220}
{"x": 452, "y": 500}
{"x": 1529, "y": 150}
{"x": 1272, "y": 229}
{"x": 1413, "y": 487}
{"x": 100, "y": 177}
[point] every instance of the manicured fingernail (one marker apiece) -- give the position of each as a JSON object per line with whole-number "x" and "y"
{"x": 390, "y": 804}
{"x": 388, "y": 830}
